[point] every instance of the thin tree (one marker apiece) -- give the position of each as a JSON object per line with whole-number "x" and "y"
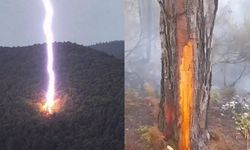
{"x": 186, "y": 35}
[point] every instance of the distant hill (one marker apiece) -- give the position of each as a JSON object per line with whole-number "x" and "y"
{"x": 91, "y": 81}
{"x": 114, "y": 48}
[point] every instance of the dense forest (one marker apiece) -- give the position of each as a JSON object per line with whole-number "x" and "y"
{"x": 89, "y": 82}
{"x": 113, "y": 48}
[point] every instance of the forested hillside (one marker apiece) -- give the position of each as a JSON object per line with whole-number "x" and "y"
{"x": 88, "y": 81}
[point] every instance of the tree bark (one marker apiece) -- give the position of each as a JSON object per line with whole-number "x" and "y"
{"x": 186, "y": 28}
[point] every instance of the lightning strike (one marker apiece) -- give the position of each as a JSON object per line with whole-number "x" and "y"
{"x": 47, "y": 27}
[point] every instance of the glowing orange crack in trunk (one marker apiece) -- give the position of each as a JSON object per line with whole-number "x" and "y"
{"x": 186, "y": 94}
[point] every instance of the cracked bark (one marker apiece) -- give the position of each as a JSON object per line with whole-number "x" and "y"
{"x": 186, "y": 28}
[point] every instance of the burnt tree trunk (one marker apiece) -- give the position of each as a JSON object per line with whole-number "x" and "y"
{"x": 186, "y": 34}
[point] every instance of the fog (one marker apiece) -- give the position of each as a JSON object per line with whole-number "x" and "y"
{"x": 231, "y": 47}
{"x": 231, "y": 54}
{"x": 142, "y": 46}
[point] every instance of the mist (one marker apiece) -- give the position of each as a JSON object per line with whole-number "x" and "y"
{"x": 142, "y": 47}
{"x": 230, "y": 54}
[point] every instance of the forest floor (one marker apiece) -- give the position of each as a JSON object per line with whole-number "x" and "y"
{"x": 140, "y": 114}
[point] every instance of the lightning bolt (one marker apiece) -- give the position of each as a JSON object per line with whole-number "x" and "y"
{"x": 47, "y": 27}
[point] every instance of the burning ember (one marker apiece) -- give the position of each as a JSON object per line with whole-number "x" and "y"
{"x": 50, "y": 96}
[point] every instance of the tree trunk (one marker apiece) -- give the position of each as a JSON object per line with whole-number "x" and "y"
{"x": 186, "y": 34}
{"x": 146, "y": 17}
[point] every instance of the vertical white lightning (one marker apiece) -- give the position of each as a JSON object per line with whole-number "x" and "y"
{"x": 47, "y": 27}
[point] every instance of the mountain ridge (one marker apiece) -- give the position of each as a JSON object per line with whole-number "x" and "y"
{"x": 92, "y": 83}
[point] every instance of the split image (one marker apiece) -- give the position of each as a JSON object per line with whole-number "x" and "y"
{"x": 124, "y": 74}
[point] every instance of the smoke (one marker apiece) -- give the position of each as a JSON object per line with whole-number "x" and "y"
{"x": 230, "y": 33}
{"x": 231, "y": 49}
{"x": 142, "y": 47}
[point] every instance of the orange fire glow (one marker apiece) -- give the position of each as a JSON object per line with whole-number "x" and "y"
{"x": 48, "y": 108}
{"x": 186, "y": 93}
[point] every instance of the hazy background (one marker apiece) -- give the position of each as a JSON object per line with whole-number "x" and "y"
{"x": 81, "y": 21}
{"x": 231, "y": 48}
{"x": 230, "y": 94}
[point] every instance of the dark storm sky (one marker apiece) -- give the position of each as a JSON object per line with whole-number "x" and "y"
{"x": 80, "y": 21}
